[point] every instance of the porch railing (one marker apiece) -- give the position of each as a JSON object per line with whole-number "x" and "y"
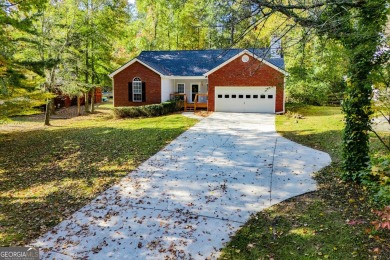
{"x": 183, "y": 101}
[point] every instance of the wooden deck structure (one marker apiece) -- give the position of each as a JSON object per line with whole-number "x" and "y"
{"x": 191, "y": 106}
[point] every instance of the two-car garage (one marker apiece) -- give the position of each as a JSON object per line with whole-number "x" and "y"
{"x": 245, "y": 99}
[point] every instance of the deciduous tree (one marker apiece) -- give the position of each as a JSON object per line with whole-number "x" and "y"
{"x": 19, "y": 85}
{"x": 357, "y": 25}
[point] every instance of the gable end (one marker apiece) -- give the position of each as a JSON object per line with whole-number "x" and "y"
{"x": 251, "y": 55}
{"x": 129, "y": 64}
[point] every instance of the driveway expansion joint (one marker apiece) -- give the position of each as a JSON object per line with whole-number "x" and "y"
{"x": 272, "y": 170}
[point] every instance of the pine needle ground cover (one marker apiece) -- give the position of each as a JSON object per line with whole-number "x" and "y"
{"x": 335, "y": 222}
{"x": 46, "y": 173}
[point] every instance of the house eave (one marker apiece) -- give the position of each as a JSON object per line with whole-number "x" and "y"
{"x": 130, "y": 63}
{"x": 183, "y": 77}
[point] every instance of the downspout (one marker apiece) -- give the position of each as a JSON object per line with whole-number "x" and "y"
{"x": 284, "y": 97}
{"x": 161, "y": 89}
{"x": 208, "y": 94}
{"x": 113, "y": 93}
{"x": 173, "y": 88}
{"x": 284, "y": 94}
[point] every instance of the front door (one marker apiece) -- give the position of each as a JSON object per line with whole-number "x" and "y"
{"x": 194, "y": 91}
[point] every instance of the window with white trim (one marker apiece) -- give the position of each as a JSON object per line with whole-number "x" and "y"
{"x": 180, "y": 88}
{"x": 137, "y": 90}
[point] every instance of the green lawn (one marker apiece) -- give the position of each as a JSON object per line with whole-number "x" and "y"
{"x": 320, "y": 128}
{"x": 333, "y": 222}
{"x": 47, "y": 173}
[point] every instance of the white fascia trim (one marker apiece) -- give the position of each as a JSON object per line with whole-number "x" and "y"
{"x": 250, "y": 54}
{"x": 131, "y": 62}
{"x": 183, "y": 77}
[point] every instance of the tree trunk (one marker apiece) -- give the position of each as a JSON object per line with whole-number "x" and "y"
{"x": 93, "y": 100}
{"x": 169, "y": 40}
{"x": 86, "y": 104}
{"x": 361, "y": 48}
{"x": 93, "y": 76}
{"x": 78, "y": 106}
{"x": 232, "y": 29}
{"x": 357, "y": 109}
{"x": 155, "y": 29}
{"x": 53, "y": 107}
{"x": 47, "y": 112}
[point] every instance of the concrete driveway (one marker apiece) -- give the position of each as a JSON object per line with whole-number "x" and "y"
{"x": 188, "y": 199}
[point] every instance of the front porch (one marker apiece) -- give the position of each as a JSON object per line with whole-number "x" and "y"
{"x": 200, "y": 101}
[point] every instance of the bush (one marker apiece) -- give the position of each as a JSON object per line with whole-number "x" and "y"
{"x": 377, "y": 179}
{"x": 308, "y": 93}
{"x": 146, "y": 111}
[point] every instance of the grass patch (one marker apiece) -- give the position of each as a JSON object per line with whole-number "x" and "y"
{"x": 106, "y": 105}
{"x": 48, "y": 173}
{"x": 333, "y": 222}
{"x": 320, "y": 128}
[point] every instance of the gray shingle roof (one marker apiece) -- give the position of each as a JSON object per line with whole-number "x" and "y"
{"x": 197, "y": 62}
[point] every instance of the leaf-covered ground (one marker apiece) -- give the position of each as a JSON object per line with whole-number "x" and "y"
{"x": 46, "y": 173}
{"x": 333, "y": 222}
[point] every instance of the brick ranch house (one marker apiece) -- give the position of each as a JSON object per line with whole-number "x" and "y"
{"x": 236, "y": 80}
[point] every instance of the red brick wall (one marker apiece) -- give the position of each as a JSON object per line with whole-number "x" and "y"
{"x": 251, "y": 73}
{"x": 152, "y": 85}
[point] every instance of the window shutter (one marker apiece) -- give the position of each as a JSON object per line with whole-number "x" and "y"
{"x": 131, "y": 91}
{"x": 143, "y": 92}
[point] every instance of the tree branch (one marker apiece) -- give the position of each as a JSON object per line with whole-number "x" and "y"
{"x": 380, "y": 138}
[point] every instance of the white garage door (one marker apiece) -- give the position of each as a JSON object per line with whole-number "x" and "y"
{"x": 245, "y": 99}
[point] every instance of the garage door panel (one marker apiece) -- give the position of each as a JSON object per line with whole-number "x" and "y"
{"x": 245, "y": 99}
